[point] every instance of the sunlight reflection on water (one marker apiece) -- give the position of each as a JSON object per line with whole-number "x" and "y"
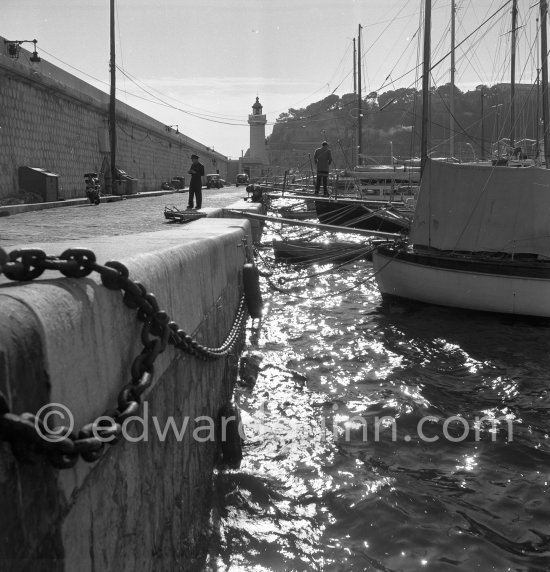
{"x": 324, "y": 487}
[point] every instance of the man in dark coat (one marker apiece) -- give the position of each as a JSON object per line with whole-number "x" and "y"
{"x": 195, "y": 186}
{"x": 322, "y": 158}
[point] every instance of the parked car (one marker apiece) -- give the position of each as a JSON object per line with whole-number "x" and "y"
{"x": 214, "y": 180}
{"x": 242, "y": 179}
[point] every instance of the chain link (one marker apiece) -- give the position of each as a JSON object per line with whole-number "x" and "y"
{"x": 25, "y": 431}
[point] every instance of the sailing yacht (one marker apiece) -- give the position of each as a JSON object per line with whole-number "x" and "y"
{"x": 479, "y": 240}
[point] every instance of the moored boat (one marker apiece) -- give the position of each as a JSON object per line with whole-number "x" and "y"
{"x": 520, "y": 287}
{"x": 480, "y": 237}
{"x": 361, "y": 214}
{"x": 479, "y": 240}
{"x": 385, "y": 183}
{"x": 320, "y": 252}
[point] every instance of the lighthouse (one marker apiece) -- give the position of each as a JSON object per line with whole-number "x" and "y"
{"x": 256, "y": 161}
{"x": 257, "y": 121}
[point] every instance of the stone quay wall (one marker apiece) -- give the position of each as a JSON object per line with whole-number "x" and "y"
{"x": 144, "y": 504}
{"x": 52, "y": 120}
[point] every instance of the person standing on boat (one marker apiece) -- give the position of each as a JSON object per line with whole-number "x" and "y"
{"x": 195, "y": 186}
{"x": 322, "y": 158}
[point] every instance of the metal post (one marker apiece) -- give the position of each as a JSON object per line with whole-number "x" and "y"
{"x": 312, "y": 173}
{"x": 359, "y": 102}
{"x": 482, "y": 126}
{"x": 426, "y": 84}
{"x": 544, "y": 53}
{"x": 513, "y": 76}
{"x": 112, "y": 110}
{"x": 354, "y": 68}
{"x": 537, "y": 113}
{"x": 452, "y": 94}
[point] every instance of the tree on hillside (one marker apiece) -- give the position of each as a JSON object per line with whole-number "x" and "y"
{"x": 482, "y": 113}
{"x": 402, "y": 97}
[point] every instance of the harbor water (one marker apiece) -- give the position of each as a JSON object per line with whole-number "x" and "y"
{"x": 386, "y": 437}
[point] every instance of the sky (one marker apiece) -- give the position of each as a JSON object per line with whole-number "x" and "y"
{"x": 200, "y": 65}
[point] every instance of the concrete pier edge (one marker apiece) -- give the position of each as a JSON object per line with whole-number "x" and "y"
{"x": 143, "y": 505}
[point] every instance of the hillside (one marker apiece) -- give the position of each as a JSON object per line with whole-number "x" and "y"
{"x": 391, "y": 120}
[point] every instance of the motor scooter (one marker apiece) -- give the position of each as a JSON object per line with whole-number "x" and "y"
{"x": 93, "y": 188}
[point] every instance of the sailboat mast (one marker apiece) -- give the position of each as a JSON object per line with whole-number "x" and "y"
{"x": 359, "y": 102}
{"x": 513, "y": 75}
{"x": 354, "y": 68}
{"x": 452, "y": 94}
{"x": 544, "y": 64}
{"x": 112, "y": 102}
{"x": 426, "y": 84}
{"x": 537, "y": 105}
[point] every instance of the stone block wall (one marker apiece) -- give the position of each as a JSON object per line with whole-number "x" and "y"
{"x": 143, "y": 505}
{"x": 55, "y": 121}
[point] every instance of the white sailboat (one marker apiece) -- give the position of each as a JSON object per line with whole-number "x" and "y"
{"x": 480, "y": 237}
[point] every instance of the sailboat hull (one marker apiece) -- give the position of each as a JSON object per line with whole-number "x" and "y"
{"x": 508, "y": 288}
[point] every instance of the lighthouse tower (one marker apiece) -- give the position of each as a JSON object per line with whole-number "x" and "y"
{"x": 257, "y": 159}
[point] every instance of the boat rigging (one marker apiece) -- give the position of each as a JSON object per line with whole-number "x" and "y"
{"x": 479, "y": 238}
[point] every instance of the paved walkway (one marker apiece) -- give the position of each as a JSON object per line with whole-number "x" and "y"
{"x": 145, "y": 213}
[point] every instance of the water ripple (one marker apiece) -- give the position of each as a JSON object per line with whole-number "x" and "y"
{"x": 399, "y": 438}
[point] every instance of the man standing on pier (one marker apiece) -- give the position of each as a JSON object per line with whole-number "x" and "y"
{"x": 195, "y": 186}
{"x": 323, "y": 159}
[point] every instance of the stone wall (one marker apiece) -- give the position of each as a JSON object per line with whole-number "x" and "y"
{"x": 57, "y": 122}
{"x": 144, "y": 505}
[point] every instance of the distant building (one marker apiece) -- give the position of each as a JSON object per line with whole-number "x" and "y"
{"x": 256, "y": 161}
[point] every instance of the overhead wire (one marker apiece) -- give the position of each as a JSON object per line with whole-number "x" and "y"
{"x": 470, "y": 58}
{"x": 373, "y": 43}
{"x": 99, "y": 81}
{"x": 176, "y": 108}
{"x": 127, "y": 75}
{"x": 444, "y": 57}
{"x": 338, "y": 67}
{"x": 164, "y": 100}
{"x": 463, "y": 131}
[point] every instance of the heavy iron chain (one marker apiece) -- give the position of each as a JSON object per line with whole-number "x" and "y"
{"x": 25, "y": 431}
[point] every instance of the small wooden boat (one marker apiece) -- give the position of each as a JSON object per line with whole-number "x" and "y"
{"x": 320, "y": 252}
{"x": 297, "y": 210}
{"x": 297, "y": 214}
{"x": 359, "y": 214}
